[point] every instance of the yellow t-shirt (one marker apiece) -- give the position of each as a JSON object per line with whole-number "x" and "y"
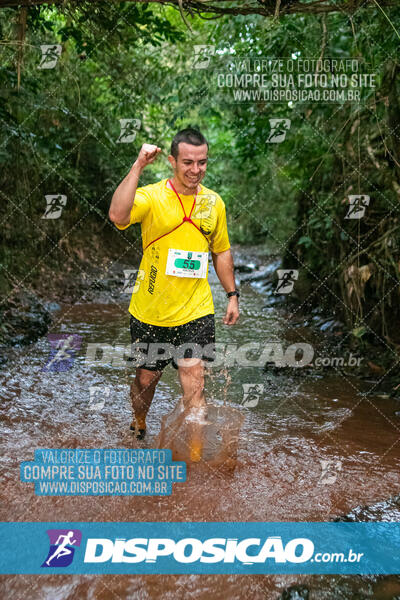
{"x": 167, "y": 300}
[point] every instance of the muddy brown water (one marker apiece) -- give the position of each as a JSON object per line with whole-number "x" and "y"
{"x": 299, "y": 423}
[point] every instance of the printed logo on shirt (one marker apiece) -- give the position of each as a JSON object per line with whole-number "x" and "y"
{"x": 204, "y": 205}
{"x": 206, "y": 226}
{"x": 152, "y": 278}
{"x": 155, "y": 254}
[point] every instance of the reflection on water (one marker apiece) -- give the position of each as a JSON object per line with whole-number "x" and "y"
{"x": 310, "y": 449}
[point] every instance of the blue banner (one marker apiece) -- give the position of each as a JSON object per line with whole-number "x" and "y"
{"x": 102, "y": 472}
{"x": 239, "y": 548}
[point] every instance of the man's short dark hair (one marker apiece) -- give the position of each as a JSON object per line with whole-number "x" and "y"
{"x": 189, "y": 136}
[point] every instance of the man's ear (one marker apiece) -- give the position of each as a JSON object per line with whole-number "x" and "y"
{"x": 172, "y": 161}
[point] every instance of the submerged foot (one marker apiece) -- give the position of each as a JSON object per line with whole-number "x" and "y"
{"x": 138, "y": 425}
{"x": 196, "y": 419}
{"x": 196, "y": 449}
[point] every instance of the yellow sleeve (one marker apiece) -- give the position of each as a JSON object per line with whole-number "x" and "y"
{"x": 220, "y": 239}
{"x": 140, "y": 207}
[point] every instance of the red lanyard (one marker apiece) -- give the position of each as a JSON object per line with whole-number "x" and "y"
{"x": 185, "y": 218}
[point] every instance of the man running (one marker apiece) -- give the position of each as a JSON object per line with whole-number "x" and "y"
{"x": 181, "y": 220}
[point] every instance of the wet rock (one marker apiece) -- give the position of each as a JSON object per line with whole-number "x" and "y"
{"x": 275, "y": 300}
{"x": 243, "y": 268}
{"x": 24, "y": 319}
{"x": 264, "y": 273}
{"x": 317, "y": 321}
{"x": 268, "y": 286}
{"x": 295, "y": 592}
{"x": 52, "y": 306}
{"x": 331, "y": 325}
{"x": 387, "y": 510}
{"x": 327, "y": 325}
{"x": 105, "y": 284}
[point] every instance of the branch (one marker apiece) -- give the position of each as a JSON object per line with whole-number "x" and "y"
{"x": 277, "y": 9}
{"x": 323, "y": 44}
{"x": 21, "y": 28}
{"x": 218, "y": 7}
{"x": 183, "y": 15}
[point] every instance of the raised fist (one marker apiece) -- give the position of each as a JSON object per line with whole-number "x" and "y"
{"x": 148, "y": 153}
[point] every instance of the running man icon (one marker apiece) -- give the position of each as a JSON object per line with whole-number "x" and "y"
{"x": 287, "y": 279}
{"x": 54, "y": 206}
{"x": 357, "y": 206}
{"x": 61, "y": 551}
{"x": 63, "y": 349}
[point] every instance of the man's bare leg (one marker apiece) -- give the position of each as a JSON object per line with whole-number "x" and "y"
{"x": 192, "y": 382}
{"x": 142, "y": 393}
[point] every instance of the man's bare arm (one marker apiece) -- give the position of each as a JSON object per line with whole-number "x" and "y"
{"x": 124, "y": 196}
{"x": 224, "y": 267}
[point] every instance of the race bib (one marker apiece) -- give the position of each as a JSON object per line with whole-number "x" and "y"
{"x": 182, "y": 263}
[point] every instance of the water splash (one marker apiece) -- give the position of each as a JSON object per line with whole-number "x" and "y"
{"x": 209, "y": 437}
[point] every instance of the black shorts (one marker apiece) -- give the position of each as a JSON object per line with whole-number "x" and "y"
{"x": 154, "y": 347}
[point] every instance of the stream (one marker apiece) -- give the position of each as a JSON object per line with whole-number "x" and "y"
{"x": 313, "y": 447}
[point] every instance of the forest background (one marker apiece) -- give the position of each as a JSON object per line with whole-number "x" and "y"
{"x": 127, "y": 60}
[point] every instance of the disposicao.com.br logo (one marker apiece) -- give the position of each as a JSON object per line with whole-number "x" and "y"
{"x": 248, "y": 551}
{"x": 200, "y": 547}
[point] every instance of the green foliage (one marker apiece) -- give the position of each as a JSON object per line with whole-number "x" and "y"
{"x": 128, "y": 60}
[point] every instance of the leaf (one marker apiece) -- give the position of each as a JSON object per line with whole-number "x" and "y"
{"x": 305, "y": 241}
{"x": 358, "y": 332}
{"x": 365, "y": 273}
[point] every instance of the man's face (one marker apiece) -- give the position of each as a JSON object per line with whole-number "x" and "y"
{"x": 191, "y": 164}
